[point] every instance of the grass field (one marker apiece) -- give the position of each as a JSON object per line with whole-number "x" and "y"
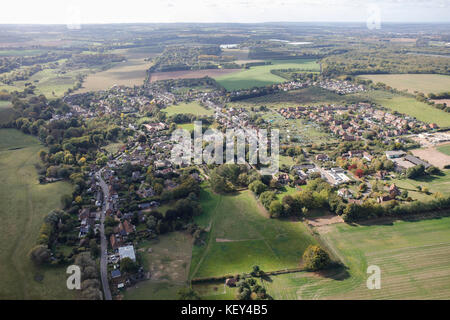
{"x": 260, "y": 75}
{"x": 188, "y": 108}
{"x": 24, "y": 203}
{"x": 412, "y": 256}
{"x": 129, "y": 73}
{"x": 241, "y": 236}
{"x": 168, "y": 263}
{"x": 48, "y": 82}
{"x": 6, "y": 112}
{"x": 425, "y": 83}
{"x": 445, "y": 149}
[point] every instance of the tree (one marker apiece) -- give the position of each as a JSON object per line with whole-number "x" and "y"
{"x": 40, "y": 254}
{"x": 315, "y": 258}
{"x": 187, "y": 293}
{"x": 275, "y": 209}
{"x": 128, "y": 266}
{"x": 257, "y": 187}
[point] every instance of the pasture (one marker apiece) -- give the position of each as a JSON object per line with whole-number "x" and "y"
{"x": 425, "y": 83}
{"x": 240, "y": 235}
{"x": 412, "y": 256}
{"x": 259, "y": 76}
{"x": 168, "y": 260}
{"x": 445, "y": 149}
{"x": 188, "y": 108}
{"x": 128, "y": 73}
{"x": 190, "y": 74}
{"x": 25, "y": 203}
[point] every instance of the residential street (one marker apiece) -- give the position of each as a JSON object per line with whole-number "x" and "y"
{"x": 104, "y": 243}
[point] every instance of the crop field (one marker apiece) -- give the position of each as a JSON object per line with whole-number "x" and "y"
{"x": 168, "y": 260}
{"x": 445, "y": 149}
{"x": 24, "y": 204}
{"x": 259, "y": 76}
{"x": 191, "y": 74}
{"x": 188, "y": 108}
{"x": 240, "y": 235}
{"x": 413, "y": 257}
{"x": 129, "y": 73}
{"x": 425, "y": 83}
{"x": 434, "y": 156}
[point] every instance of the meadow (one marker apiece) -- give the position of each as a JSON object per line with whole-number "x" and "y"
{"x": 425, "y": 83}
{"x": 259, "y": 76}
{"x": 444, "y": 149}
{"x": 188, "y": 108}
{"x": 412, "y": 256}
{"x": 168, "y": 260}
{"x": 241, "y": 235}
{"x": 25, "y": 203}
{"x": 6, "y": 112}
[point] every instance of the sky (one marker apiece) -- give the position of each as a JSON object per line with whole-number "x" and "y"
{"x": 244, "y": 11}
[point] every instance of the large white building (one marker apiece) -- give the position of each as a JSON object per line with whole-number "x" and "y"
{"x": 127, "y": 252}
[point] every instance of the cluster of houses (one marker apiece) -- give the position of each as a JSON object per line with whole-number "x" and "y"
{"x": 339, "y": 87}
{"x": 350, "y": 122}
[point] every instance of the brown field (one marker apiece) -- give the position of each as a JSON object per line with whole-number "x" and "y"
{"x": 128, "y": 73}
{"x": 442, "y": 101}
{"x": 190, "y": 74}
{"x": 433, "y": 156}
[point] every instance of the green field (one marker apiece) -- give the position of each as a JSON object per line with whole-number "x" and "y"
{"x": 259, "y": 76}
{"x": 412, "y": 256}
{"x": 168, "y": 263}
{"x": 241, "y": 236}
{"x": 425, "y": 83}
{"x": 445, "y": 149}
{"x": 49, "y": 82}
{"x": 24, "y": 204}
{"x": 6, "y": 112}
{"x": 188, "y": 108}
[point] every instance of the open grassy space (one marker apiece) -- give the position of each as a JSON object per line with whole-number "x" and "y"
{"x": 49, "y": 82}
{"x": 259, "y": 76}
{"x": 6, "y": 112}
{"x": 24, "y": 203}
{"x": 445, "y": 149}
{"x": 433, "y": 184}
{"x": 241, "y": 236}
{"x": 168, "y": 260}
{"x": 412, "y": 256}
{"x": 128, "y": 73}
{"x": 425, "y": 83}
{"x": 188, "y": 108}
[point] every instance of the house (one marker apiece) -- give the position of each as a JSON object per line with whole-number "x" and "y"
{"x": 416, "y": 161}
{"x": 127, "y": 252}
{"x": 321, "y": 157}
{"x": 381, "y": 174}
{"x": 115, "y": 274}
{"x": 113, "y": 241}
{"x": 344, "y": 193}
{"x": 384, "y": 198}
{"x": 283, "y": 178}
{"x": 395, "y": 154}
{"x": 367, "y": 156}
{"x": 394, "y": 191}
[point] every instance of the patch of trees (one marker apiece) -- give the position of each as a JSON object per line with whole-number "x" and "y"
{"x": 249, "y": 289}
{"x": 315, "y": 258}
{"x": 227, "y": 178}
{"x": 370, "y": 210}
